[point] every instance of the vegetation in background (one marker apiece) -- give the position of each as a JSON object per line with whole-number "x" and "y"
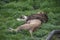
{"x": 12, "y": 9}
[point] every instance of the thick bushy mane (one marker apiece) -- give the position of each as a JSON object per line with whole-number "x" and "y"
{"x": 42, "y": 16}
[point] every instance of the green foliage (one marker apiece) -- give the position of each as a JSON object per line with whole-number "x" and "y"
{"x": 10, "y": 10}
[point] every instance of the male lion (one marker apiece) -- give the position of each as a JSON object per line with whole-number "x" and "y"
{"x": 32, "y": 22}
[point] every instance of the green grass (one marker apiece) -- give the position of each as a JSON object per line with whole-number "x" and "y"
{"x": 12, "y": 10}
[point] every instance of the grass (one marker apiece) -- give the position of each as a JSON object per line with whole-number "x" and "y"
{"x": 12, "y": 10}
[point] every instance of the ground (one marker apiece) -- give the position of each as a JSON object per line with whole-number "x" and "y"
{"x": 13, "y": 9}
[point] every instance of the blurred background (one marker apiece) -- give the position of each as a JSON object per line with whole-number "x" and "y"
{"x": 12, "y": 9}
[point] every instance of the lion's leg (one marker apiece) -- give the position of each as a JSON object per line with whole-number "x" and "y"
{"x": 31, "y": 33}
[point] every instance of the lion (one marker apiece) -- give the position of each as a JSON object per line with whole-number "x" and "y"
{"x": 32, "y": 22}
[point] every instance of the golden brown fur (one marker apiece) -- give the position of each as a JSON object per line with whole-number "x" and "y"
{"x": 31, "y": 26}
